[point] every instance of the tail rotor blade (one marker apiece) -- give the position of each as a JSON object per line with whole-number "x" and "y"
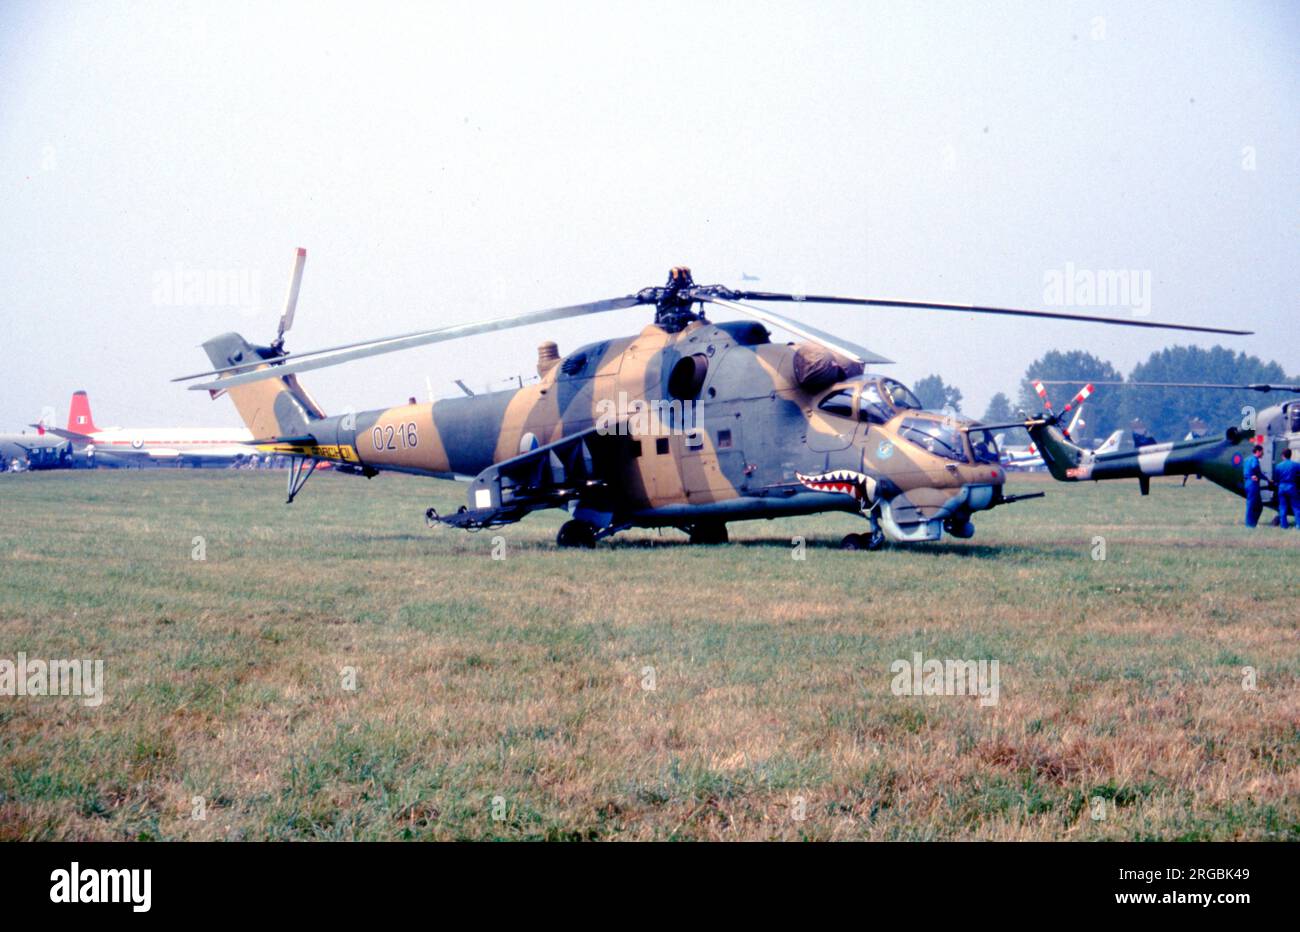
{"x": 291, "y": 298}
{"x": 1084, "y": 394}
{"x": 1042, "y": 394}
{"x": 1077, "y": 400}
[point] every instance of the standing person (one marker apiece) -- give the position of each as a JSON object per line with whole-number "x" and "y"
{"x": 1253, "y": 473}
{"x": 1285, "y": 474}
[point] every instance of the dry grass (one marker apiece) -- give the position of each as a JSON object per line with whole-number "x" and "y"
{"x": 522, "y": 678}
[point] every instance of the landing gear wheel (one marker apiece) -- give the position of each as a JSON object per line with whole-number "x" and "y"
{"x": 708, "y": 532}
{"x": 873, "y": 541}
{"x": 576, "y": 534}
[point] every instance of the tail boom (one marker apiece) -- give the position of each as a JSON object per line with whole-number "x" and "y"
{"x": 1216, "y": 458}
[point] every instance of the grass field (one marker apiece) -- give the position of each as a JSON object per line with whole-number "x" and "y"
{"x": 507, "y": 698}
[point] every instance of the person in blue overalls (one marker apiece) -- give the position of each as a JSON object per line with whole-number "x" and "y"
{"x": 1285, "y": 474}
{"x": 1253, "y": 473}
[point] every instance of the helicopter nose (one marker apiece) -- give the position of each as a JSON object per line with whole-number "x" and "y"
{"x": 982, "y": 496}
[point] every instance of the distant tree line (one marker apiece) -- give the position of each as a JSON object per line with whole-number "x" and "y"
{"x": 936, "y": 395}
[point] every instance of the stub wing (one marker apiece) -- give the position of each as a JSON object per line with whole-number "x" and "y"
{"x": 549, "y": 476}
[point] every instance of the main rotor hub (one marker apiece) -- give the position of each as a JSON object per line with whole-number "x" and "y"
{"x": 673, "y": 307}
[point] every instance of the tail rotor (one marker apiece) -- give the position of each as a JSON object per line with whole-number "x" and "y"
{"x": 290, "y": 302}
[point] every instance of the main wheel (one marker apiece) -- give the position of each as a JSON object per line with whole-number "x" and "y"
{"x": 576, "y": 534}
{"x": 708, "y": 532}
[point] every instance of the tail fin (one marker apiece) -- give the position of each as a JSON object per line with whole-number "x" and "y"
{"x": 270, "y": 408}
{"x": 1061, "y": 456}
{"x": 79, "y": 419}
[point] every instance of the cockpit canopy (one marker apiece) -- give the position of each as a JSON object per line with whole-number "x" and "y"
{"x": 869, "y": 398}
{"x": 1291, "y": 417}
{"x": 878, "y": 400}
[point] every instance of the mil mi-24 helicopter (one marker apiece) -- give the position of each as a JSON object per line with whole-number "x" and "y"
{"x": 1217, "y": 458}
{"x": 689, "y": 424}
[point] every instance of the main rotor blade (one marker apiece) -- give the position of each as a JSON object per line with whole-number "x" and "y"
{"x": 979, "y": 309}
{"x": 300, "y": 362}
{"x": 857, "y": 353}
{"x": 1252, "y": 387}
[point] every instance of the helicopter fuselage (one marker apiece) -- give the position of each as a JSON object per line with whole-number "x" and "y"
{"x": 706, "y": 424}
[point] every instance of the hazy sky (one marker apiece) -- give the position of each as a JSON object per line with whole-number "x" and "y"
{"x": 443, "y": 166}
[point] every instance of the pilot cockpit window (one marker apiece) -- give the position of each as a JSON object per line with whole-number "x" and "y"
{"x": 900, "y": 395}
{"x": 838, "y": 403}
{"x": 984, "y": 446}
{"x": 871, "y": 406}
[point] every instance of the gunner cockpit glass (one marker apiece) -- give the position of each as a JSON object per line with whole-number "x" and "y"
{"x": 937, "y": 437}
{"x": 983, "y": 446}
{"x": 899, "y": 395}
{"x": 871, "y": 406}
{"x": 838, "y": 403}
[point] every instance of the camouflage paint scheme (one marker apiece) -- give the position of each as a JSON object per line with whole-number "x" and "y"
{"x": 759, "y": 445}
{"x": 1218, "y": 459}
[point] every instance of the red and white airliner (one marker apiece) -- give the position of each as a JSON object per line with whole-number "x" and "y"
{"x": 195, "y": 445}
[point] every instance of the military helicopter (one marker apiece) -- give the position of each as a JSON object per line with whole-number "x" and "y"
{"x": 1217, "y": 458}
{"x": 689, "y": 424}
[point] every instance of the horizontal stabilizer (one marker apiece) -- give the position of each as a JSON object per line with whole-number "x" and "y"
{"x": 66, "y": 434}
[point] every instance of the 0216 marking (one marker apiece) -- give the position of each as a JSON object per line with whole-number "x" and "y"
{"x": 389, "y": 437}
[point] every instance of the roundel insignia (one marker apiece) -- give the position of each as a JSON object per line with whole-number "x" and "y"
{"x": 527, "y": 442}
{"x": 1236, "y": 459}
{"x": 885, "y": 450}
{"x": 137, "y": 443}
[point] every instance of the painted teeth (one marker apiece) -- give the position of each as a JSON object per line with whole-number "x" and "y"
{"x": 844, "y": 481}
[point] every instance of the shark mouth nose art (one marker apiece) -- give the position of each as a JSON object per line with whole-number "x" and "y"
{"x": 845, "y": 481}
